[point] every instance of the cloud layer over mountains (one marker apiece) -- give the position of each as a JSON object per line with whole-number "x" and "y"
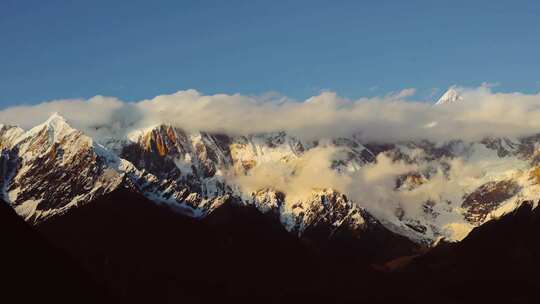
{"x": 392, "y": 117}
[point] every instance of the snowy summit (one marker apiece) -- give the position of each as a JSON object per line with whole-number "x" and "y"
{"x": 452, "y": 95}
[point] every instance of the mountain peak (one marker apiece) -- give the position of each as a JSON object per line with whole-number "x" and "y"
{"x": 55, "y": 120}
{"x": 452, "y": 95}
{"x": 56, "y": 127}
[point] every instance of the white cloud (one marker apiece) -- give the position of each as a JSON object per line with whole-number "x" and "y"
{"x": 298, "y": 177}
{"x": 487, "y": 84}
{"x": 384, "y": 118}
{"x": 405, "y": 93}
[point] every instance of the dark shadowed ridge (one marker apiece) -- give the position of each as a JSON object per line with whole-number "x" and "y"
{"x": 497, "y": 262}
{"x": 34, "y": 271}
{"x": 144, "y": 253}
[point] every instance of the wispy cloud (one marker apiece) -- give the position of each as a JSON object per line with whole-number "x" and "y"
{"x": 486, "y": 84}
{"x": 433, "y": 93}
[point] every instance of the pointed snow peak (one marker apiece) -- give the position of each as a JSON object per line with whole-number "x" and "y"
{"x": 453, "y": 95}
{"x": 56, "y": 127}
{"x": 55, "y": 120}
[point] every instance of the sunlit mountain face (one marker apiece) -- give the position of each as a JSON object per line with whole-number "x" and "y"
{"x": 152, "y": 207}
{"x": 425, "y": 190}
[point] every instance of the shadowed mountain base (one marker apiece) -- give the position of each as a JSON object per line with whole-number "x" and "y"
{"x": 144, "y": 253}
{"x": 34, "y": 271}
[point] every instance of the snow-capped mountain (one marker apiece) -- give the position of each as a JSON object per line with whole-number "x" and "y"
{"x": 198, "y": 165}
{"x": 53, "y": 167}
{"x": 452, "y": 95}
{"x": 473, "y": 182}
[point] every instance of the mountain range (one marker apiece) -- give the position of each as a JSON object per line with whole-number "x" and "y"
{"x": 111, "y": 201}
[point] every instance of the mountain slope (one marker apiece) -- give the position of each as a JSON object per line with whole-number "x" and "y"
{"x": 237, "y": 253}
{"x": 33, "y": 270}
{"x": 498, "y": 261}
{"x": 144, "y": 252}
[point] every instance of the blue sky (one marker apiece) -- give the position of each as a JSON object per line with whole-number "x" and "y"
{"x": 139, "y": 49}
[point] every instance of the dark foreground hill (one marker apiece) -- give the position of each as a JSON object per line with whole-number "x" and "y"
{"x": 498, "y": 262}
{"x": 237, "y": 254}
{"x": 35, "y": 271}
